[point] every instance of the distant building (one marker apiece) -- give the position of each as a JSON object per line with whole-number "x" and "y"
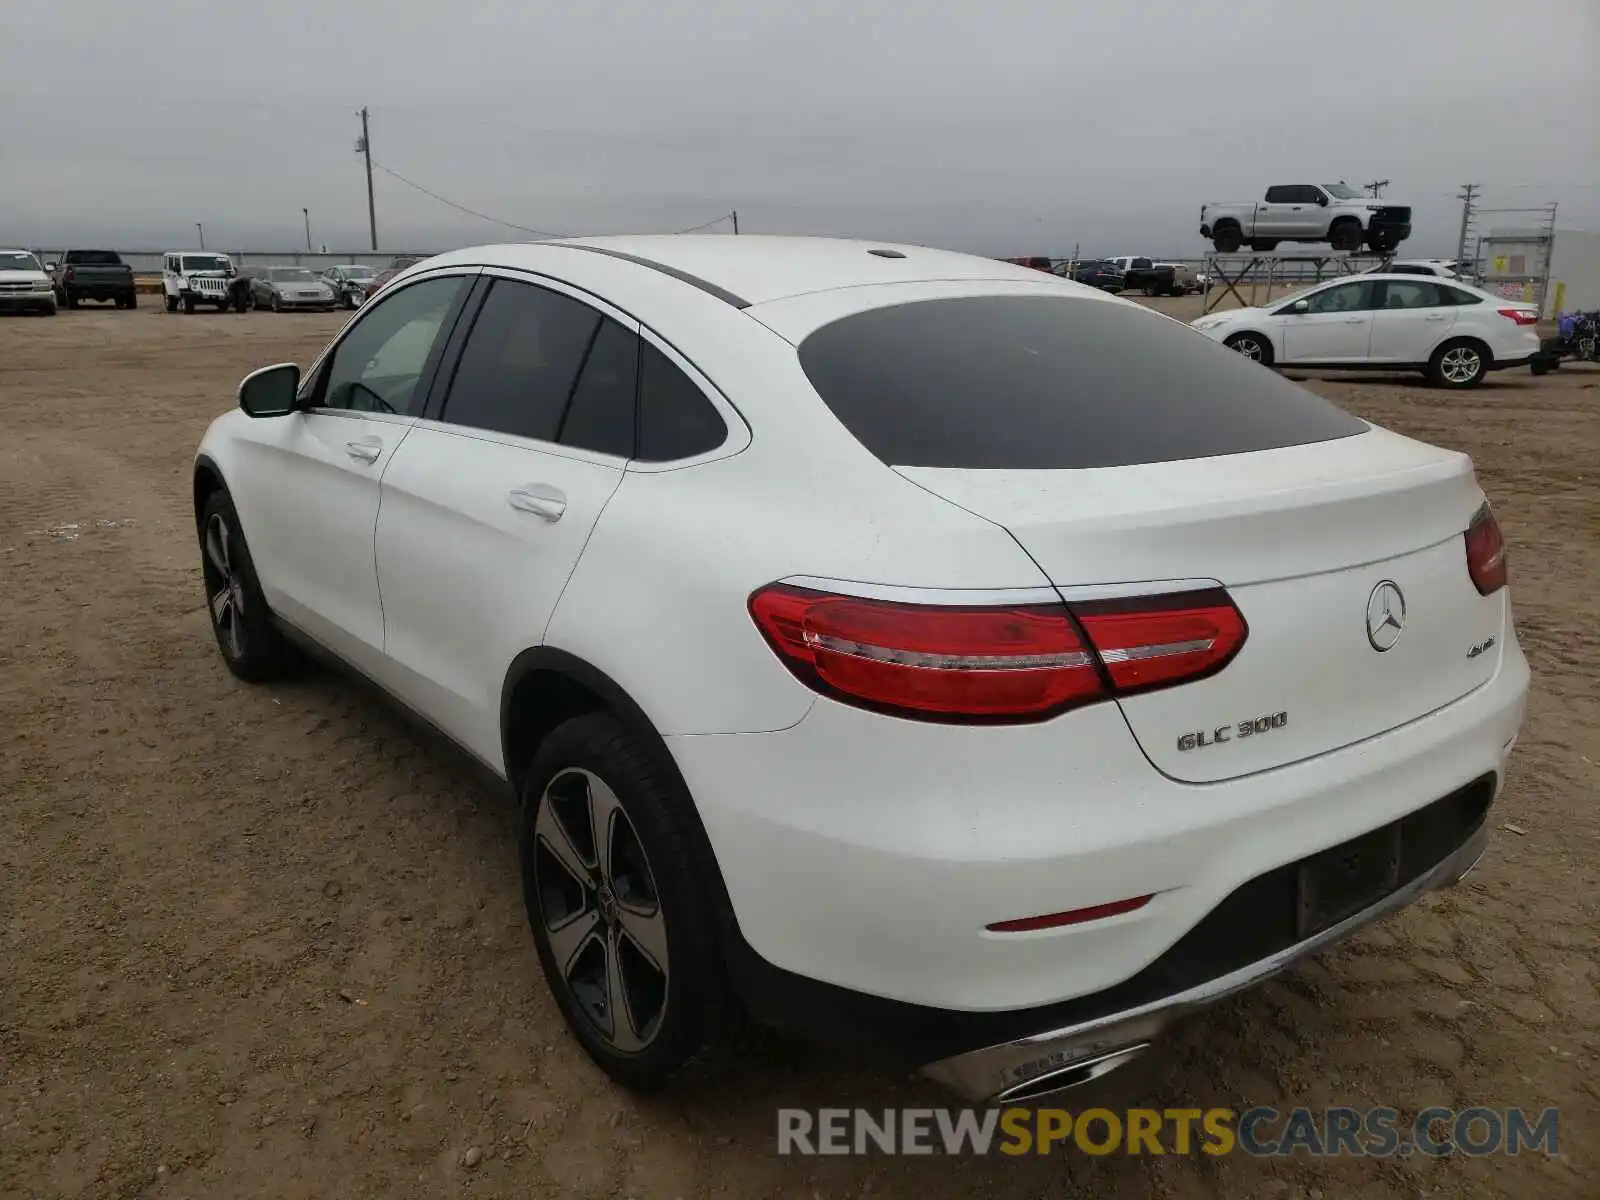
{"x": 1560, "y": 271}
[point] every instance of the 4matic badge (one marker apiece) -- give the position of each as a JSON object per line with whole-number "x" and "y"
{"x": 1238, "y": 730}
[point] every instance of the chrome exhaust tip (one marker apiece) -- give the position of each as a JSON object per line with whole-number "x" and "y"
{"x": 1070, "y": 1076}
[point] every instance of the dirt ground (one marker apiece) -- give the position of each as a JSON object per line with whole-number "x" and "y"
{"x": 269, "y": 941}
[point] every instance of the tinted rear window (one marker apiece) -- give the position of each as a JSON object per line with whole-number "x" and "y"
{"x": 1042, "y": 382}
{"x": 94, "y": 258}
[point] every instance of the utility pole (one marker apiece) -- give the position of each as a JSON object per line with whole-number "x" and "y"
{"x": 364, "y": 148}
{"x": 1468, "y": 197}
{"x": 736, "y": 221}
{"x": 306, "y": 213}
{"x": 200, "y": 230}
{"x": 1376, "y": 187}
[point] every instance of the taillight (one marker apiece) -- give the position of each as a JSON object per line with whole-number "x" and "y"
{"x": 1486, "y": 552}
{"x": 1156, "y": 640}
{"x": 1520, "y": 315}
{"x": 994, "y": 663}
{"x": 69, "y": 274}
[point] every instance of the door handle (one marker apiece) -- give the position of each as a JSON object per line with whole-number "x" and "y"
{"x": 540, "y": 499}
{"x": 1437, "y": 316}
{"x": 1355, "y": 320}
{"x": 366, "y": 450}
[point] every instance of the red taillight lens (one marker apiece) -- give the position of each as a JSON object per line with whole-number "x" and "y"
{"x": 1007, "y": 663}
{"x": 69, "y": 274}
{"x": 933, "y": 660}
{"x": 1486, "y": 552}
{"x": 1521, "y": 316}
{"x": 1157, "y": 640}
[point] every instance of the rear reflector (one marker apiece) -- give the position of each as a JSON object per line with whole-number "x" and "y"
{"x": 994, "y": 663}
{"x": 1486, "y": 552}
{"x": 1522, "y": 316}
{"x": 1077, "y": 916}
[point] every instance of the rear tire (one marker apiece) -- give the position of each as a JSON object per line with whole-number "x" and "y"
{"x": 250, "y": 644}
{"x": 131, "y": 300}
{"x": 277, "y": 303}
{"x": 644, "y": 1018}
{"x": 1346, "y": 235}
{"x": 72, "y": 301}
{"x": 1461, "y": 363}
{"x": 1252, "y": 345}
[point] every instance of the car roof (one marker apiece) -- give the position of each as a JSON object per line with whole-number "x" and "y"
{"x": 750, "y": 269}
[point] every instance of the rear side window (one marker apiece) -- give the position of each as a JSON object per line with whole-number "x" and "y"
{"x": 601, "y": 414}
{"x": 675, "y": 418}
{"x": 1048, "y": 382}
{"x": 1423, "y": 293}
{"x": 521, "y": 361}
{"x": 1457, "y": 296}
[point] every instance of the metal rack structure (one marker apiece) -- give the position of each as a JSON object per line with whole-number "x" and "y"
{"x": 1262, "y": 271}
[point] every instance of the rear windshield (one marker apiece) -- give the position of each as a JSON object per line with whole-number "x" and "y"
{"x": 1043, "y": 382}
{"x": 94, "y": 258}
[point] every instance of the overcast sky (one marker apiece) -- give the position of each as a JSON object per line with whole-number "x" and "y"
{"x": 999, "y": 126}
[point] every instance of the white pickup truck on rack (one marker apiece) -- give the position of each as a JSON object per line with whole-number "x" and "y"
{"x": 1306, "y": 212}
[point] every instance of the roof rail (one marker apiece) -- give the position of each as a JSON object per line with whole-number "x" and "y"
{"x": 704, "y": 285}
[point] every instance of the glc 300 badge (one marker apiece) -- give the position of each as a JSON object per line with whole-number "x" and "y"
{"x": 1238, "y": 730}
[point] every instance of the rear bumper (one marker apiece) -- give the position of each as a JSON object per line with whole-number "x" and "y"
{"x": 1079, "y": 1050}
{"x": 864, "y": 856}
{"x": 100, "y": 290}
{"x": 1519, "y": 359}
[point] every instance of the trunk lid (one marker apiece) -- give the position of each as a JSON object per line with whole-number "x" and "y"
{"x": 1312, "y": 542}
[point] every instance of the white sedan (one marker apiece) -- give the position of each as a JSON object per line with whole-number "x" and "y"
{"x": 900, "y": 646}
{"x": 1449, "y": 330}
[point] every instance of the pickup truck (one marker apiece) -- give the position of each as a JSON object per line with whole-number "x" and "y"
{"x": 1145, "y": 275}
{"x": 1335, "y": 213}
{"x": 93, "y": 275}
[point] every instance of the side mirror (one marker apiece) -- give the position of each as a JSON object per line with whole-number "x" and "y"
{"x": 270, "y": 391}
{"x": 1322, "y": 201}
{"x": 51, "y": 266}
{"x": 1300, "y": 306}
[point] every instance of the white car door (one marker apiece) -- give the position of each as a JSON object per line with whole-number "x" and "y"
{"x": 306, "y": 484}
{"x": 1411, "y": 318}
{"x": 490, "y": 501}
{"x": 1335, "y": 325}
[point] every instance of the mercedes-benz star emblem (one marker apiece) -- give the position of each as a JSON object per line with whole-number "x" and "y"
{"x": 1386, "y": 615}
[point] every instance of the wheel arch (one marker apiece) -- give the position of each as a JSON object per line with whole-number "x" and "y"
{"x": 207, "y": 483}
{"x": 1271, "y": 355}
{"x": 1479, "y": 343}
{"x": 545, "y": 686}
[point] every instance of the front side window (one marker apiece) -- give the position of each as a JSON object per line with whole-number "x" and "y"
{"x": 379, "y": 365}
{"x": 521, "y": 361}
{"x": 1345, "y": 297}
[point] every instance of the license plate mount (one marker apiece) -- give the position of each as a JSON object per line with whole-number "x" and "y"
{"x": 1344, "y": 879}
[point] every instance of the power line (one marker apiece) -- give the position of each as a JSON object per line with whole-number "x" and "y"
{"x": 542, "y": 233}
{"x": 471, "y": 212}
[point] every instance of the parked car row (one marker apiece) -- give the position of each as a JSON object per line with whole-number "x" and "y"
{"x": 190, "y": 279}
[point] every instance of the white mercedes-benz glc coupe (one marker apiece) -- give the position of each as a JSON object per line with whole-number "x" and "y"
{"x": 902, "y": 647}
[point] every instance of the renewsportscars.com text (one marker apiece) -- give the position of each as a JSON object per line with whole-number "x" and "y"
{"x": 1258, "y": 1132}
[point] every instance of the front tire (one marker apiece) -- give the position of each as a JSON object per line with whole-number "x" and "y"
{"x": 188, "y": 305}
{"x": 623, "y": 922}
{"x": 250, "y": 644}
{"x": 1227, "y": 239}
{"x": 1252, "y": 345}
{"x": 1458, "y": 364}
{"x": 172, "y": 304}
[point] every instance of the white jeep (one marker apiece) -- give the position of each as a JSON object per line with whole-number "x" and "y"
{"x": 190, "y": 278}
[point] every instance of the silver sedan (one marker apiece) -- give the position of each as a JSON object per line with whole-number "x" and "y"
{"x": 285, "y": 288}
